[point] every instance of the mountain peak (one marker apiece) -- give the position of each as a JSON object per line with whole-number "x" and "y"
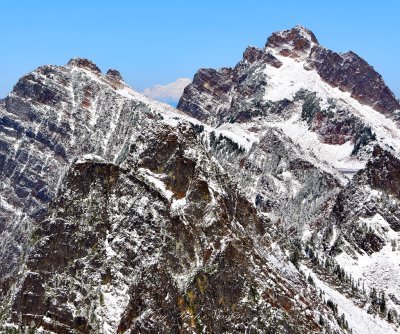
{"x": 306, "y": 32}
{"x": 292, "y": 42}
{"x": 114, "y": 74}
{"x": 84, "y": 63}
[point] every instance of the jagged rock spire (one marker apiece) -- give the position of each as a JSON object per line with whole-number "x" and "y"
{"x": 84, "y": 63}
{"x": 114, "y": 74}
{"x": 293, "y": 42}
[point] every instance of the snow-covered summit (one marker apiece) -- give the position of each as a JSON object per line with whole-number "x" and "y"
{"x": 295, "y": 80}
{"x": 296, "y": 42}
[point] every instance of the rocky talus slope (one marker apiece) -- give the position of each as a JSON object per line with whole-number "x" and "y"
{"x": 267, "y": 203}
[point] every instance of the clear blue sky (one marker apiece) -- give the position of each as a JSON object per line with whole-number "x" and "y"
{"x": 153, "y": 42}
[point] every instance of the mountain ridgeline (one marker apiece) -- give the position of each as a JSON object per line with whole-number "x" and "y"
{"x": 267, "y": 202}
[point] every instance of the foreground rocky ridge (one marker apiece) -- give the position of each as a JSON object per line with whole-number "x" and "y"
{"x": 124, "y": 215}
{"x": 119, "y": 254}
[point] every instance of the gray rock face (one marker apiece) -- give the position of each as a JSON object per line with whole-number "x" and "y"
{"x": 52, "y": 116}
{"x": 381, "y": 178}
{"x": 352, "y": 74}
{"x": 282, "y": 181}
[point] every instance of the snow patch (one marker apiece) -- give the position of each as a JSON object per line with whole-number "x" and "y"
{"x": 359, "y": 320}
{"x": 155, "y": 180}
{"x": 338, "y": 156}
{"x": 90, "y": 157}
{"x": 378, "y": 269}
